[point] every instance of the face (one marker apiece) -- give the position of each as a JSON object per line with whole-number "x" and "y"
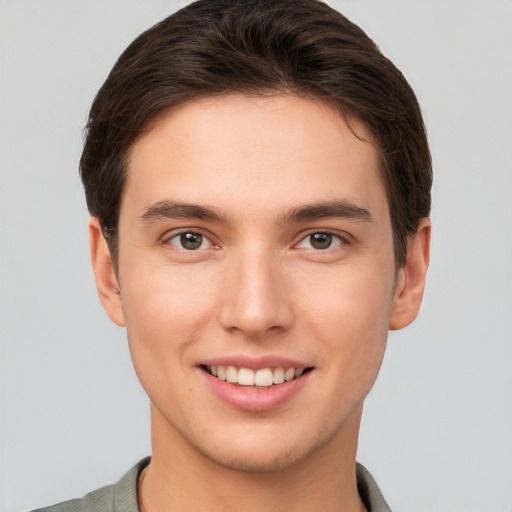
{"x": 256, "y": 276}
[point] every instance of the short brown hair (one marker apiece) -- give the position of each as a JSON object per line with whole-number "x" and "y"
{"x": 300, "y": 47}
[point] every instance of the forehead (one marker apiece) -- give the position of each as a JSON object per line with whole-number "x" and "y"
{"x": 243, "y": 151}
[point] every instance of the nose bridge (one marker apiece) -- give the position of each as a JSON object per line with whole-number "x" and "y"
{"x": 254, "y": 300}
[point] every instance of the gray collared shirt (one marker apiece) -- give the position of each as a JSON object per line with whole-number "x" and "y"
{"x": 122, "y": 496}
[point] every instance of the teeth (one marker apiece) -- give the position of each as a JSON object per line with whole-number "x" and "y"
{"x": 231, "y": 374}
{"x": 278, "y": 375}
{"x": 289, "y": 374}
{"x": 246, "y": 377}
{"x": 264, "y": 377}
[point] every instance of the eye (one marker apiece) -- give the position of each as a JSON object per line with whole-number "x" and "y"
{"x": 189, "y": 241}
{"x": 320, "y": 241}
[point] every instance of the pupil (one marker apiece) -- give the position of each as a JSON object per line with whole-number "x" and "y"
{"x": 191, "y": 240}
{"x": 321, "y": 240}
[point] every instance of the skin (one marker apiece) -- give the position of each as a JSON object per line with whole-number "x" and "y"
{"x": 256, "y": 287}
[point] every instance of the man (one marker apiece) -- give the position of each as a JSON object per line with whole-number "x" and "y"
{"x": 258, "y": 178}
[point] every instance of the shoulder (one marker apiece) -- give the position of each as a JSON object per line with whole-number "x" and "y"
{"x": 369, "y": 491}
{"x": 99, "y": 500}
{"x": 119, "y": 497}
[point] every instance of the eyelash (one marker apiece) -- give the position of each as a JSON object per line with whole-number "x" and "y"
{"x": 331, "y": 237}
{"x": 334, "y": 236}
{"x": 177, "y": 236}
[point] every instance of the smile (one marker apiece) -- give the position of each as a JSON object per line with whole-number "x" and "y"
{"x": 256, "y": 386}
{"x": 262, "y": 378}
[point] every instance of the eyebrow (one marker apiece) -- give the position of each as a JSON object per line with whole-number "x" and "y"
{"x": 167, "y": 209}
{"x": 178, "y": 210}
{"x": 327, "y": 210}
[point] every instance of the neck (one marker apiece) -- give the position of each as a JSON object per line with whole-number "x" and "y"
{"x": 179, "y": 478}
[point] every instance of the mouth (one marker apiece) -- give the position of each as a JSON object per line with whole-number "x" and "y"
{"x": 262, "y": 378}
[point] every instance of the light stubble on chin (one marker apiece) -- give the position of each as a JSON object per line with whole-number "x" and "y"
{"x": 283, "y": 461}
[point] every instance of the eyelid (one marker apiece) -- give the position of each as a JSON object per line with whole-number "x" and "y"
{"x": 344, "y": 239}
{"x": 176, "y": 233}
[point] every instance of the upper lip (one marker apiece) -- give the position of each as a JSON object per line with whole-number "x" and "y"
{"x": 255, "y": 363}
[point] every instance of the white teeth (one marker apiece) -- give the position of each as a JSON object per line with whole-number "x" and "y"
{"x": 246, "y": 377}
{"x": 231, "y": 374}
{"x": 289, "y": 374}
{"x": 278, "y": 375}
{"x": 264, "y": 377}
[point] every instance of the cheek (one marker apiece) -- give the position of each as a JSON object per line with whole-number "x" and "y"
{"x": 165, "y": 311}
{"x": 350, "y": 314}
{"x": 354, "y": 334}
{"x": 350, "y": 298}
{"x": 166, "y": 297}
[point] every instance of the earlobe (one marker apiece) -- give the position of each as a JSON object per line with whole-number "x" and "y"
{"x": 411, "y": 279}
{"x": 104, "y": 274}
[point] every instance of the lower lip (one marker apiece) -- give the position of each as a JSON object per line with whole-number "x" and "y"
{"x": 255, "y": 399}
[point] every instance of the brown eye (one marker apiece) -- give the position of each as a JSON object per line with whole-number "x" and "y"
{"x": 320, "y": 240}
{"x": 191, "y": 241}
{"x": 188, "y": 241}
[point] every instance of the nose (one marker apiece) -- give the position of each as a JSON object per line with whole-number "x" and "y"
{"x": 255, "y": 299}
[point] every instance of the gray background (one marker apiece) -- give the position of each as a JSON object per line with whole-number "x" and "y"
{"x": 438, "y": 424}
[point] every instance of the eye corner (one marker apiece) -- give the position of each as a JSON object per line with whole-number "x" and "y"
{"x": 321, "y": 240}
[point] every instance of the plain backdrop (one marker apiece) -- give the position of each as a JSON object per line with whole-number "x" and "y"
{"x": 437, "y": 428}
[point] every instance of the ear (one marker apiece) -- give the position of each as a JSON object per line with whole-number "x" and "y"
{"x": 104, "y": 274}
{"x": 411, "y": 279}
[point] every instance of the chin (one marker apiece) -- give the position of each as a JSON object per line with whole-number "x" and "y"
{"x": 262, "y": 455}
{"x": 260, "y": 462}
